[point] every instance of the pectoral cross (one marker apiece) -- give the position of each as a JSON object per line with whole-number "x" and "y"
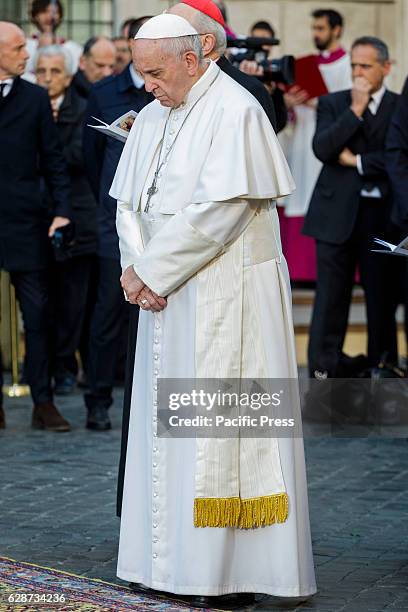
{"x": 151, "y": 191}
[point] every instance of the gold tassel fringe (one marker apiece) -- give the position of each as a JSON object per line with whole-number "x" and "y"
{"x": 240, "y": 513}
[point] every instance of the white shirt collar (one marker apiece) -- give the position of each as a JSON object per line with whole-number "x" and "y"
{"x": 376, "y": 99}
{"x": 203, "y": 83}
{"x": 138, "y": 82}
{"x": 8, "y": 85}
{"x": 59, "y": 101}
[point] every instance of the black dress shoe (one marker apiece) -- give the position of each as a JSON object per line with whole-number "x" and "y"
{"x": 138, "y": 587}
{"x": 202, "y": 601}
{"x": 233, "y": 601}
{"x": 98, "y": 418}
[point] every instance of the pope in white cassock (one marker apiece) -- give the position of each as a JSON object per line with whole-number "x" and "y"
{"x": 201, "y": 254}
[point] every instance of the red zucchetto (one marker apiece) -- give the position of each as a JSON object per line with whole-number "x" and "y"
{"x": 208, "y": 7}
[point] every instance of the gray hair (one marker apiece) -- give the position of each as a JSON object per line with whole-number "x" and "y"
{"x": 52, "y": 51}
{"x": 183, "y": 44}
{"x": 206, "y": 25}
{"x": 378, "y": 44}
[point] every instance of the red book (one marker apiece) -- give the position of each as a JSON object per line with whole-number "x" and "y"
{"x": 309, "y": 77}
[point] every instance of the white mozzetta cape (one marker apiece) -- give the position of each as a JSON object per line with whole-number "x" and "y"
{"x": 219, "y": 145}
{"x": 230, "y": 151}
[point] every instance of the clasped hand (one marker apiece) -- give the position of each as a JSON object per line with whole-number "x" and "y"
{"x": 140, "y": 294}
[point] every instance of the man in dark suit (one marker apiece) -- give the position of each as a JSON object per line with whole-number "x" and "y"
{"x": 29, "y": 148}
{"x": 350, "y": 206}
{"x": 397, "y": 168}
{"x": 397, "y": 161}
{"x": 108, "y": 100}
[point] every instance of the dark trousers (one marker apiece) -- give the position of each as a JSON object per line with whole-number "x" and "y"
{"x": 32, "y": 293}
{"x": 89, "y": 308}
{"x": 110, "y": 312}
{"x": 336, "y": 268}
{"x": 127, "y": 399}
{"x": 70, "y": 284}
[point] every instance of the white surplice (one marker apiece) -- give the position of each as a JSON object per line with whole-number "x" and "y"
{"x": 298, "y": 138}
{"x": 216, "y": 188}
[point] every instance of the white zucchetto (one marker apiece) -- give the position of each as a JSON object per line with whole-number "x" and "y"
{"x": 165, "y": 26}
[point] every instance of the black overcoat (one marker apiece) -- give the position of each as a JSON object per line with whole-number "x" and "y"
{"x": 70, "y": 125}
{"x": 29, "y": 149}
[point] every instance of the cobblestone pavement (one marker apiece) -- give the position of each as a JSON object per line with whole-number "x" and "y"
{"x": 57, "y": 508}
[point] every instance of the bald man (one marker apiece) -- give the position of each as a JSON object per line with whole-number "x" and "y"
{"x": 97, "y": 62}
{"x": 29, "y": 142}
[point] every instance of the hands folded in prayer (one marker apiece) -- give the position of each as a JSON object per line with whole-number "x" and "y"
{"x": 138, "y": 293}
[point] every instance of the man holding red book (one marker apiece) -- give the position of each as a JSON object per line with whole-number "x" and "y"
{"x": 328, "y": 71}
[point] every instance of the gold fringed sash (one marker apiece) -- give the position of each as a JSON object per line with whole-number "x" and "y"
{"x": 241, "y": 513}
{"x": 239, "y": 481}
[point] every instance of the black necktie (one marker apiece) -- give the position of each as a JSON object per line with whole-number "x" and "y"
{"x": 368, "y": 116}
{"x": 2, "y": 88}
{"x": 368, "y": 111}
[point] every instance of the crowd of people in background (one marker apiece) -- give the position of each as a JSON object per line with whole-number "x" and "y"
{"x": 348, "y": 152}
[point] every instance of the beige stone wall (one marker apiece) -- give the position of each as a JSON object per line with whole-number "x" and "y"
{"x": 291, "y": 19}
{"x": 387, "y": 19}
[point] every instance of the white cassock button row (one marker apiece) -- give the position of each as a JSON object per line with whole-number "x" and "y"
{"x": 156, "y": 356}
{"x": 154, "y": 555}
{"x": 155, "y": 525}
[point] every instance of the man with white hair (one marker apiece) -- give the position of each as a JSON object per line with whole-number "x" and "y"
{"x": 71, "y": 272}
{"x": 201, "y": 256}
{"x": 54, "y": 70}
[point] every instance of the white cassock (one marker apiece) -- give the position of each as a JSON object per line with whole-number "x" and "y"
{"x": 304, "y": 166}
{"x": 215, "y": 192}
